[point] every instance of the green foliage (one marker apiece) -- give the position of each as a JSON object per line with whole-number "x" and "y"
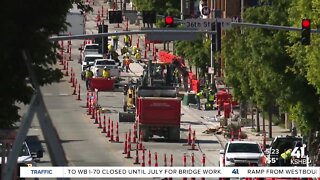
{"x": 305, "y": 65}
{"x": 162, "y": 7}
{"x": 270, "y": 67}
{"x": 27, "y": 27}
{"x": 196, "y": 52}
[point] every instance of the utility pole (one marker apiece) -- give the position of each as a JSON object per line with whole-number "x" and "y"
{"x": 182, "y": 9}
{"x": 242, "y": 10}
{"x": 218, "y": 14}
{"x": 213, "y": 49}
{"x": 215, "y": 44}
{"x": 212, "y": 46}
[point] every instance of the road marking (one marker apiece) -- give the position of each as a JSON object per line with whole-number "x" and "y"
{"x": 64, "y": 94}
{"x": 47, "y": 94}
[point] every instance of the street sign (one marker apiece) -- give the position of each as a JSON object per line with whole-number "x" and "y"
{"x": 201, "y": 24}
{"x": 205, "y": 10}
{"x": 205, "y": 24}
{"x": 174, "y": 35}
{"x": 225, "y": 22}
{"x": 210, "y": 70}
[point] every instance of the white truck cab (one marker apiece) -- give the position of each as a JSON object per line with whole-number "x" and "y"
{"x": 89, "y": 49}
{"x": 110, "y": 64}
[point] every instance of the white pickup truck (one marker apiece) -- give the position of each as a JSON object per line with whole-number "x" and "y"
{"x": 87, "y": 62}
{"x": 89, "y": 49}
{"x": 110, "y": 64}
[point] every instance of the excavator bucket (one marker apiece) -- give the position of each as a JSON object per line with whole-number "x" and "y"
{"x": 126, "y": 117}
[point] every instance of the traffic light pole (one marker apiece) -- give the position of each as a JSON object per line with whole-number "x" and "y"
{"x": 213, "y": 49}
{"x": 103, "y": 49}
{"x": 99, "y": 35}
{"x": 215, "y": 46}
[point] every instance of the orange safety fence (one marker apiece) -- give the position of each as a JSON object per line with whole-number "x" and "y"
{"x": 167, "y": 57}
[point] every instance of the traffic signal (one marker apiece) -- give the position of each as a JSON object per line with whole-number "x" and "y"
{"x": 169, "y": 21}
{"x": 115, "y": 17}
{"x": 149, "y": 17}
{"x": 305, "y": 31}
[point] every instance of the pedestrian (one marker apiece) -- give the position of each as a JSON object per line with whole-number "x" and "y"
{"x": 285, "y": 158}
{"x": 199, "y": 96}
{"x": 115, "y": 40}
{"x": 89, "y": 75}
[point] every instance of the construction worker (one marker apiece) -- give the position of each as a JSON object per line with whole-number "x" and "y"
{"x": 126, "y": 40}
{"x": 89, "y": 75}
{"x": 199, "y": 96}
{"x": 134, "y": 49}
{"x": 175, "y": 76}
{"x": 110, "y": 48}
{"x": 115, "y": 40}
{"x": 105, "y": 73}
{"x": 124, "y": 50}
{"x": 285, "y": 158}
{"x": 127, "y": 64}
{"x": 210, "y": 98}
{"x": 138, "y": 56}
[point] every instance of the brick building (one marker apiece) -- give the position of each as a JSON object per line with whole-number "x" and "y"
{"x": 230, "y": 8}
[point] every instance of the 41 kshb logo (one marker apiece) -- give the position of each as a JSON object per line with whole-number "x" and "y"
{"x": 299, "y": 156}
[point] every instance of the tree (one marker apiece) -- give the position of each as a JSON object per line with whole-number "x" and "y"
{"x": 27, "y": 27}
{"x": 306, "y": 65}
{"x": 163, "y": 7}
{"x": 196, "y": 52}
{"x": 261, "y": 57}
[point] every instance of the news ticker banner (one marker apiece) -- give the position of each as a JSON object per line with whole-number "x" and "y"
{"x": 154, "y": 172}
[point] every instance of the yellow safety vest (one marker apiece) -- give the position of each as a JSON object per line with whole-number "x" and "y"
{"x": 200, "y": 94}
{"x": 126, "y": 39}
{"x": 211, "y": 97}
{"x": 89, "y": 74}
{"x": 286, "y": 155}
{"x": 110, "y": 47}
{"x": 115, "y": 37}
{"x": 138, "y": 56}
{"x": 105, "y": 73}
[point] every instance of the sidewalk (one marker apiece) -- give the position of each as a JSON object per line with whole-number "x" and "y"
{"x": 209, "y": 116}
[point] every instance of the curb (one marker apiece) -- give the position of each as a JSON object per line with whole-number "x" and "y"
{"x": 221, "y": 142}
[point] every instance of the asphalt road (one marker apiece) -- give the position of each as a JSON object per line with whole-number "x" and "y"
{"x": 85, "y": 145}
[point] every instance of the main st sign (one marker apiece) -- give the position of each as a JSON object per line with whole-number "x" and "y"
{"x": 205, "y": 24}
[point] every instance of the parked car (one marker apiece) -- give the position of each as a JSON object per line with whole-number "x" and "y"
{"x": 25, "y": 157}
{"x": 110, "y": 64}
{"x": 242, "y": 153}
